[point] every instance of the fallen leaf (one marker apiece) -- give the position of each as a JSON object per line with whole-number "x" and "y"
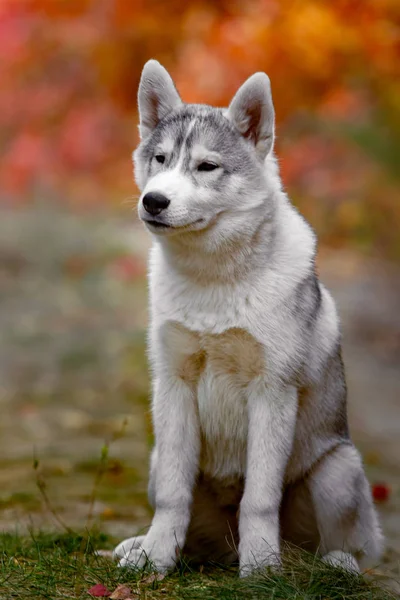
{"x": 121, "y": 592}
{"x": 153, "y": 577}
{"x": 99, "y": 591}
{"x": 108, "y": 513}
{"x": 380, "y": 492}
{"x": 372, "y": 458}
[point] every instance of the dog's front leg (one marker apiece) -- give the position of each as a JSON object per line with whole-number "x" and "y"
{"x": 272, "y": 413}
{"x": 178, "y": 446}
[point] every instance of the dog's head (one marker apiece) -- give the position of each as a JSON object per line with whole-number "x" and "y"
{"x": 199, "y": 167}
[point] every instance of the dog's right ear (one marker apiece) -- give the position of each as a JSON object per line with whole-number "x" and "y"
{"x": 252, "y": 113}
{"x": 157, "y": 96}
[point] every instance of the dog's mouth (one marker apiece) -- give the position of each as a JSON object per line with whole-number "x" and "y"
{"x": 156, "y": 224}
{"x": 160, "y": 225}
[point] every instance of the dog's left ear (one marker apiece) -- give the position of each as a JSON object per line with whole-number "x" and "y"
{"x": 252, "y": 113}
{"x": 157, "y": 96}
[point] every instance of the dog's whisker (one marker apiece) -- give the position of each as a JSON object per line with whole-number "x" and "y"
{"x": 130, "y": 200}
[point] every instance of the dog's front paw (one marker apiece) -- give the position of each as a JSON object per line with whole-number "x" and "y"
{"x": 342, "y": 560}
{"x": 134, "y": 559}
{"x": 256, "y": 554}
{"x": 125, "y": 548}
{"x": 157, "y": 552}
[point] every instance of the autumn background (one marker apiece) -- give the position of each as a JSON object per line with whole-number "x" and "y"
{"x": 75, "y": 428}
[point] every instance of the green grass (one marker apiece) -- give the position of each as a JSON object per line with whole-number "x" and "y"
{"x": 51, "y": 566}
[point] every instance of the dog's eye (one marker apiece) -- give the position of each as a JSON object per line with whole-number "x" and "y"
{"x": 207, "y": 166}
{"x": 160, "y": 158}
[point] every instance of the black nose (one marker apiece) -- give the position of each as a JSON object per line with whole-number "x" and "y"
{"x": 154, "y": 202}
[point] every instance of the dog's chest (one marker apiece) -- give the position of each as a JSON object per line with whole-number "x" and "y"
{"x": 218, "y": 367}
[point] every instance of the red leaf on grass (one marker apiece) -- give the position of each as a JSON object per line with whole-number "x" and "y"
{"x": 99, "y": 591}
{"x": 380, "y": 492}
{"x": 121, "y": 592}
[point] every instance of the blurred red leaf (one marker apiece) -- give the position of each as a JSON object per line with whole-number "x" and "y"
{"x": 380, "y": 492}
{"x": 127, "y": 268}
{"x": 99, "y": 591}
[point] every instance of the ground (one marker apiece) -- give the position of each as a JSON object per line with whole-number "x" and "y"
{"x": 75, "y": 431}
{"x": 65, "y": 566}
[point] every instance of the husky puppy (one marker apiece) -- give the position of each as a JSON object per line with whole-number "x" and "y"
{"x": 249, "y": 394}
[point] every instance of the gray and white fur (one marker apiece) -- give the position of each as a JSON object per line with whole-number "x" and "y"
{"x": 249, "y": 394}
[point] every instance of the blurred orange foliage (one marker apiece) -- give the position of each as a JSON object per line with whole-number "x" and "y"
{"x": 70, "y": 70}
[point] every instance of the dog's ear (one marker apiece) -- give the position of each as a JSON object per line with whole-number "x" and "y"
{"x": 252, "y": 113}
{"x": 157, "y": 96}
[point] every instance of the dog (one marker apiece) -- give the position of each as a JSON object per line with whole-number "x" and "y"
{"x": 252, "y": 445}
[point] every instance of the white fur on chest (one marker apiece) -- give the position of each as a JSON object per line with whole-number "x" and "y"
{"x": 212, "y": 309}
{"x": 223, "y": 421}
{"x": 218, "y": 367}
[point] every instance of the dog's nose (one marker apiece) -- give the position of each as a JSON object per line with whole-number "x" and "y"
{"x": 154, "y": 202}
